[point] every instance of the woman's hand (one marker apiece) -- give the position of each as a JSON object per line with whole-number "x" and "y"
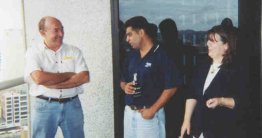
{"x": 213, "y": 103}
{"x": 225, "y": 102}
{"x": 185, "y": 129}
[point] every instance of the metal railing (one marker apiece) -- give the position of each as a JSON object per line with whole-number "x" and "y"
{"x": 11, "y": 83}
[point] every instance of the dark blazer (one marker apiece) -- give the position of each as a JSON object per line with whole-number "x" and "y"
{"x": 230, "y": 81}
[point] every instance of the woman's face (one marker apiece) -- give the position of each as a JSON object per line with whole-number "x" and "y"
{"x": 216, "y": 48}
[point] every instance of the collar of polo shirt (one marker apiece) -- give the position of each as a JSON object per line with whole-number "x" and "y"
{"x": 44, "y": 47}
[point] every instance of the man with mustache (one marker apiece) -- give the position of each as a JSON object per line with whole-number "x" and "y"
{"x": 55, "y": 72}
{"x": 149, "y": 80}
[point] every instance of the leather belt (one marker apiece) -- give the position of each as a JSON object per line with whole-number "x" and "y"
{"x": 60, "y": 100}
{"x": 134, "y": 107}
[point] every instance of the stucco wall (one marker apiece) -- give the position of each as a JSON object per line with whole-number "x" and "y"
{"x": 87, "y": 25}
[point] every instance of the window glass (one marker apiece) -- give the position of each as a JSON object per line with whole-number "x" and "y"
{"x": 193, "y": 17}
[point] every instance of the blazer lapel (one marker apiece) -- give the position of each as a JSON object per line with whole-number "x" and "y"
{"x": 214, "y": 84}
{"x": 204, "y": 74}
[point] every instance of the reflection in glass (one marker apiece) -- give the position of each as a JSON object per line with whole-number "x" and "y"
{"x": 193, "y": 17}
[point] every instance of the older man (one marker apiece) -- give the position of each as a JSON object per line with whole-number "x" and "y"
{"x": 55, "y": 72}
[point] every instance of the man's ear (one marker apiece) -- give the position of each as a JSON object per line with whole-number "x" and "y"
{"x": 141, "y": 32}
{"x": 42, "y": 33}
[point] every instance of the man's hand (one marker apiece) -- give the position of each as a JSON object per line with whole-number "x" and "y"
{"x": 48, "y": 78}
{"x": 147, "y": 113}
{"x": 185, "y": 129}
{"x": 75, "y": 81}
{"x": 129, "y": 88}
{"x": 51, "y": 87}
{"x": 161, "y": 101}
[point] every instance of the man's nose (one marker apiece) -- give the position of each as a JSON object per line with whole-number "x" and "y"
{"x": 61, "y": 33}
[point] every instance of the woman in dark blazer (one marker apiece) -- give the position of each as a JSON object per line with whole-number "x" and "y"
{"x": 217, "y": 95}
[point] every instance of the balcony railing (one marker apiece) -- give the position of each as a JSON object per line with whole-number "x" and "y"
{"x": 11, "y": 83}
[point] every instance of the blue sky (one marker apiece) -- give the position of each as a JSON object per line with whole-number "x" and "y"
{"x": 198, "y": 15}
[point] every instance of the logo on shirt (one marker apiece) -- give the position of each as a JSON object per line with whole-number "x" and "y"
{"x": 67, "y": 57}
{"x": 148, "y": 65}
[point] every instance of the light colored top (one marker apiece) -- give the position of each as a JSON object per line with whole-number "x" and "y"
{"x": 66, "y": 59}
{"x": 214, "y": 68}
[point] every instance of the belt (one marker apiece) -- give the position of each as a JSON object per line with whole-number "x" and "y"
{"x": 60, "y": 100}
{"x": 134, "y": 107}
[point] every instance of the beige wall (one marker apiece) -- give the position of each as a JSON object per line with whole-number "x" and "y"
{"x": 87, "y": 25}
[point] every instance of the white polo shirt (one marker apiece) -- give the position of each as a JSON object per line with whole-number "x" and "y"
{"x": 66, "y": 59}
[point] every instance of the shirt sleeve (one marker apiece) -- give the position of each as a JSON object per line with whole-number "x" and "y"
{"x": 172, "y": 77}
{"x": 32, "y": 63}
{"x": 80, "y": 63}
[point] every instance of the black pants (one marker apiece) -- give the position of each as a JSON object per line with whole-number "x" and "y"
{"x": 229, "y": 134}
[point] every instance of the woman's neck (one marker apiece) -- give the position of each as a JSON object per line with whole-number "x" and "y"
{"x": 217, "y": 60}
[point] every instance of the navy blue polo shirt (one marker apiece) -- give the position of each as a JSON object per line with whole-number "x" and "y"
{"x": 155, "y": 73}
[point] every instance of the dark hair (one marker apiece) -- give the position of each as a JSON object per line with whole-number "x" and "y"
{"x": 140, "y": 22}
{"x": 152, "y": 32}
{"x": 227, "y": 35}
{"x": 168, "y": 29}
{"x": 137, "y": 22}
{"x": 227, "y": 22}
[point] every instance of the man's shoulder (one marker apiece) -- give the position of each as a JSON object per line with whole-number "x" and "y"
{"x": 160, "y": 53}
{"x": 34, "y": 49}
{"x": 159, "y": 49}
{"x": 71, "y": 47}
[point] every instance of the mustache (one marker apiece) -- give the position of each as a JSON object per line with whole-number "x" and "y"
{"x": 59, "y": 38}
